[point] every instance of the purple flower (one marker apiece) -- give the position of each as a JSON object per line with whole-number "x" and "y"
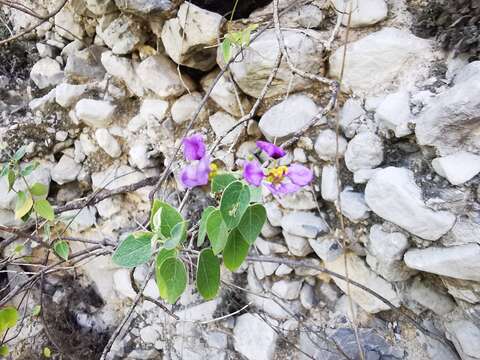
{"x": 253, "y": 173}
{"x": 194, "y": 147}
{"x": 196, "y": 174}
{"x": 299, "y": 174}
{"x": 272, "y": 150}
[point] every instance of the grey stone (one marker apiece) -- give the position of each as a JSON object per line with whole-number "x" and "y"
{"x": 95, "y": 113}
{"x": 364, "y": 151}
{"x": 184, "y": 108}
{"x": 326, "y": 145}
{"x": 305, "y": 224}
{"x": 352, "y": 117}
{"x": 254, "y": 338}
{"x": 122, "y": 35}
{"x": 68, "y": 23}
{"x": 287, "y": 289}
{"x": 329, "y": 186}
{"x": 297, "y": 245}
{"x": 123, "y": 69}
{"x": 108, "y": 143}
{"x": 465, "y": 335}
{"x": 85, "y": 64}
{"x": 46, "y": 72}
{"x": 221, "y": 123}
{"x": 429, "y": 297}
{"x": 66, "y": 170}
{"x": 353, "y": 204}
{"x": 363, "y": 12}
{"x": 146, "y": 7}
{"x": 67, "y": 94}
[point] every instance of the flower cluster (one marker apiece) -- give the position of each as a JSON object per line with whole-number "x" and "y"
{"x": 199, "y": 171}
{"x": 277, "y": 179}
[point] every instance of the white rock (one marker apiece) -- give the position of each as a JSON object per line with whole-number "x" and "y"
{"x": 283, "y": 270}
{"x": 149, "y": 334}
{"x": 430, "y": 298}
{"x": 277, "y": 122}
{"x": 85, "y": 64}
{"x": 122, "y": 68}
{"x": 363, "y": 175}
{"x": 67, "y": 94}
{"x": 115, "y": 177}
{"x": 300, "y": 200}
{"x": 465, "y": 335}
{"x": 351, "y": 117}
{"x": 361, "y": 273}
{"x": 326, "y": 145}
{"x": 138, "y": 156}
{"x": 305, "y": 224}
{"x": 274, "y": 214}
{"x": 145, "y": 8}
{"x": 393, "y": 113}
{"x": 192, "y": 43}
{"x": 184, "y": 108}
{"x": 254, "y": 338}
{"x": 82, "y": 220}
{"x": 307, "y": 296}
{"x": 108, "y": 143}
{"x": 393, "y": 195}
{"x": 46, "y": 72}
{"x": 95, "y": 113}
{"x": 297, "y": 245}
{"x": 108, "y": 207}
{"x": 254, "y": 66}
{"x": 363, "y": 12}
{"x": 159, "y": 74}
{"x": 221, "y": 122}
{"x": 68, "y": 24}
{"x": 382, "y": 57}
{"x": 45, "y": 50}
{"x": 100, "y": 7}
{"x": 460, "y": 262}
{"x": 329, "y": 187}
{"x": 287, "y": 289}
{"x": 42, "y": 104}
{"x": 364, "y": 151}
{"x": 121, "y": 35}
{"x": 326, "y": 247}
{"x": 66, "y": 170}
{"x": 354, "y": 206}
{"x": 122, "y": 284}
{"x": 457, "y": 168}
{"x": 226, "y": 94}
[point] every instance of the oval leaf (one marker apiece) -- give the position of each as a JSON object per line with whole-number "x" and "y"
{"x": 235, "y": 251}
{"x": 168, "y": 219}
{"x": 135, "y": 250}
{"x": 252, "y": 222}
{"x": 4, "y": 350}
{"x": 202, "y": 231}
{"x": 235, "y": 200}
{"x": 226, "y": 50}
{"x": 8, "y": 318}
{"x": 208, "y": 274}
{"x": 220, "y": 182}
{"x": 62, "y": 249}
{"x": 44, "y": 209}
{"x": 177, "y": 236}
{"x": 163, "y": 255}
{"x": 24, "y": 204}
{"x": 217, "y": 231}
{"x": 39, "y": 189}
{"x": 172, "y": 277}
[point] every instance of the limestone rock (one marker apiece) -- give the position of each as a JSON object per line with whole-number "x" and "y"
{"x": 429, "y": 297}
{"x": 329, "y": 187}
{"x": 352, "y": 117}
{"x": 277, "y": 122}
{"x": 184, "y": 108}
{"x": 326, "y": 145}
{"x": 121, "y": 35}
{"x": 382, "y": 58}
{"x": 393, "y": 195}
{"x": 305, "y": 224}
{"x": 68, "y": 23}
{"x": 460, "y": 262}
{"x": 159, "y": 74}
{"x": 364, "y": 12}
{"x": 66, "y": 170}
{"x": 85, "y": 64}
{"x": 190, "y": 39}
{"x": 67, "y": 94}
{"x": 364, "y": 151}
{"x": 46, "y": 72}
{"x": 354, "y": 206}
{"x": 286, "y": 289}
{"x": 458, "y": 167}
{"x": 465, "y": 335}
{"x": 259, "y": 58}
{"x": 95, "y": 113}
{"x": 361, "y": 273}
{"x": 108, "y": 143}
{"x": 297, "y": 245}
{"x": 100, "y": 7}
{"x": 146, "y": 7}
{"x": 393, "y": 113}
{"x": 122, "y": 68}
{"x": 115, "y": 177}
{"x": 221, "y": 122}
{"x": 254, "y": 338}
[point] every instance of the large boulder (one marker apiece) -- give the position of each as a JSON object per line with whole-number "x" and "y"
{"x": 190, "y": 38}
{"x": 393, "y": 195}
{"x": 253, "y": 67}
{"x": 382, "y": 58}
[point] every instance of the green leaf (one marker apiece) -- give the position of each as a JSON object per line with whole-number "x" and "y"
{"x": 163, "y": 255}
{"x": 177, "y": 236}
{"x": 169, "y": 217}
{"x": 11, "y": 177}
{"x": 62, "y": 249}
{"x": 208, "y": 274}
{"x": 235, "y": 200}
{"x": 39, "y": 189}
{"x": 44, "y": 209}
{"x": 235, "y": 251}
{"x": 47, "y": 352}
{"x": 8, "y": 318}
{"x": 256, "y": 194}
{"x": 252, "y": 222}
{"x": 246, "y": 36}
{"x": 226, "y": 50}
{"x": 217, "y": 231}
{"x": 4, "y": 350}
{"x": 20, "y": 153}
{"x": 157, "y": 220}
{"x": 4, "y": 171}
{"x": 135, "y": 250}
{"x": 220, "y": 182}
{"x": 24, "y": 204}
{"x": 27, "y": 170}
{"x": 19, "y": 248}
{"x": 36, "y": 310}
{"x": 202, "y": 231}
{"x": 172, "y": 279}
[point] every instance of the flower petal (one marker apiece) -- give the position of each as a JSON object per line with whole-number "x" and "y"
{"x": 272, "y": 150}
{"x": 286, "y": 187}
{"x": 299, "y": 174}
{"x": 253, "y": 172}
{"x": 194, "y": 147}
{"x": 196, "y": 174}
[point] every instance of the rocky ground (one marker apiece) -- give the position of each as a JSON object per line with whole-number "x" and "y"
{"x": 101, "y": 95}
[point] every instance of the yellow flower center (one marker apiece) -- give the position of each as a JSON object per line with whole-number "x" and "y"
{"x": 277, "y": 174}
{"x": 213, "y": 171}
